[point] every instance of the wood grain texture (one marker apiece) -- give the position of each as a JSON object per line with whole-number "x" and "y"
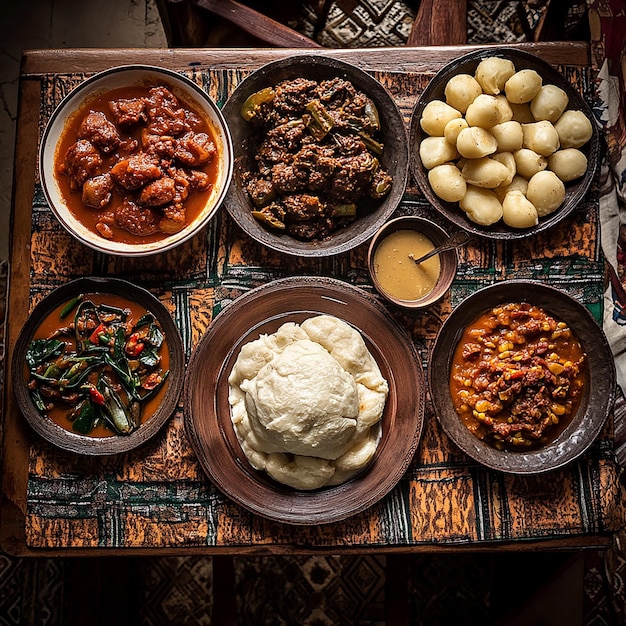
{"x": 157, "y": 500}
{"x": 439, "y": 23}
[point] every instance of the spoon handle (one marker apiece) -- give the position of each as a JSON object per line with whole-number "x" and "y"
{"x": 458, "y": 239}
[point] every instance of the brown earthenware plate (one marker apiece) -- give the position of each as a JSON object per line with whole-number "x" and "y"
{"x": 574, "y": 191}
{"x": 207, "y": 411}
{"x": 85, "y": 444}
{"x": 395, "y": 156}
{"x": 596, "y": 403}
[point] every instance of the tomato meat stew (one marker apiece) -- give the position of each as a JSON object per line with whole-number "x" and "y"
{"x": 136, "y": 164}
{"x": 98, "y": 365}
{"x": 517, "y": 377}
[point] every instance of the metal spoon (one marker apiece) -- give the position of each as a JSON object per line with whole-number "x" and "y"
{"x": 457, "y": 240}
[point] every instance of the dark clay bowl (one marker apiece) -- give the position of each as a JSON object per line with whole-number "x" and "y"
{"x": 448, "y": 259}
{"x": 207, "y": 410}
{"x": 394, "y": 159}
{"x": 574, "y": 191}
{"x": 85, "y": 444}
{"x": 596, "y": 403}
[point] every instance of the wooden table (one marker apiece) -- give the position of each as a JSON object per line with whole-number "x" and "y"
{"x": 446, "y": 502}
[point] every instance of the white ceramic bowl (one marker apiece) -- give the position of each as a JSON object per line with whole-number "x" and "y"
{"x": 114, "y": 78}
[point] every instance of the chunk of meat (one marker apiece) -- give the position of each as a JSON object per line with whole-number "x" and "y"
{"x": 194, "y": 149}
{"x": 174, "y": 218}
{"x": 261, "y": 191}
{"x": 281, "y": 143}
{"x": 289, "y": 179}
{"x": 139, "y": 221}
{"x": 165, "y": 115}
{"x": 162, "y": 146}
{"x": 97, "y": 191}
{"x": 158, "y": 193}
{"x": 198, "y": 179}
{"x": 353, "y": 176}
{"x": 82, "y": 161}
{"x": 135, "y": 172}
{"x": 102, "y": 133}
{"x": 303, "y": 207}
{"x": 128, "y": 111}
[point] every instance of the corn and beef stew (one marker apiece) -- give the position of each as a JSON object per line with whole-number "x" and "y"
{"x": 136, "y": 164}
{"x": 313, "y": 164}
{"x": 517, "y": 376}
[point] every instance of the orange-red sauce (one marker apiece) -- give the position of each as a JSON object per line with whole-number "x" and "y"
{"x": 517, "y": 377}
{"x": 53, "y": 322}
{"x": 89, "y": 216}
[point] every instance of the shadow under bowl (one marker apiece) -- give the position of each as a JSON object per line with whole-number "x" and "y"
{"x": 394, "y": 157}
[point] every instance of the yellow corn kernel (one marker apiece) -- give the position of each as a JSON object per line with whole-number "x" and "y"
{"x": 559, "y": 409}
{"x": 482, "y": 406}
{"x": 505, "y": 345}
{"x": 556, "y": 368}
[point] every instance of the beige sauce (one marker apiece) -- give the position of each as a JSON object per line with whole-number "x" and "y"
{"x": 397, "y": 274}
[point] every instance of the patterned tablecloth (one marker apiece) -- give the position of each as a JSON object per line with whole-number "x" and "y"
{"x": 158, "y": 495}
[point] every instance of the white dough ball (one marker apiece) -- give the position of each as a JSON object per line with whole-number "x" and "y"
{"x": 475, "y": 142}
{"x": 528, "y": 162}
{"x": 492, "y": 74}
{"x": 518, "y": 211}
{"x": 453, "y": 128}
{"x": 523, "y": 86}
{"x": 483, "y": 111}
{"x": 485, "y": 172}
{"x": 549, "y": 103}
{"x": 546, "y": 191}
{"x": 461, "y": 90}
{"x": 447, "y": 182}
{"x": 574, "y": 129}
{"x": 509, "y": 136}
{"x": 541, "y": 137}
{"x": 435, "y": 116}
{"x": 435, "y": 151}
{"x": 568, "y": 164}
{"x": 481, "y": 206}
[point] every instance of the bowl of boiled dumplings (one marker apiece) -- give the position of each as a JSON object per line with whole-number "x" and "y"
{"x": 502, "y": 144}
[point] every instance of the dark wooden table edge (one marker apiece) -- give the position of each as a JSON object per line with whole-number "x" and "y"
{"x": 35, "y": 63}
{"x": 560, "y": 544}
{"x": 38, "y": 62}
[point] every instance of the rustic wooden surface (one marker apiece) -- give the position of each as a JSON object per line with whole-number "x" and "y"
{"x": 156, "y": 499}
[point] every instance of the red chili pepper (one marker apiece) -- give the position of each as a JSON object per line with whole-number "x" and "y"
{"x": 94, "y": 337}
{"x": 95, "y": 395}
{"x": 134, "y": 347}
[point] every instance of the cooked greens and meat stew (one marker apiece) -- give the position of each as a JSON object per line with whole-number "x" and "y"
{"x": 313, "y": 164}
{"x": 136, "y": 164}
{"x": 518, "y": 375}
{"x": 98, "y": 365}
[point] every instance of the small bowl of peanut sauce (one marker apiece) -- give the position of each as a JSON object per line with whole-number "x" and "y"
{"x": 392, "y": 267}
